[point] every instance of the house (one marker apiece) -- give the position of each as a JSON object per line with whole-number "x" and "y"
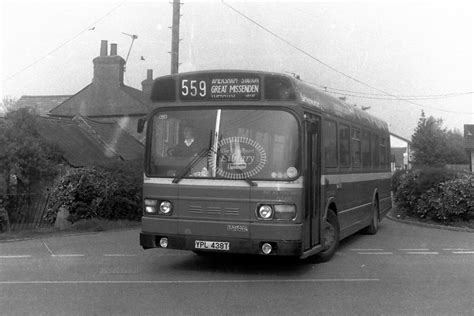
{"x": 41, "y": 104}
{"x": 107, "y": 98}
{"x": 98, "y": 123}
{"x": 87, "y": 142}
{"x": 469, "y": 144}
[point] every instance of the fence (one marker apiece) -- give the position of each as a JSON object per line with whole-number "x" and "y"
{"x": 26, "y": 211}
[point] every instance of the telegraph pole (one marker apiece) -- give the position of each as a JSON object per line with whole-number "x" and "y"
{"x": 175, "y": 37}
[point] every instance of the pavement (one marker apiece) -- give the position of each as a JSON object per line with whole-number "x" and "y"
{"x": 413, "y": 221}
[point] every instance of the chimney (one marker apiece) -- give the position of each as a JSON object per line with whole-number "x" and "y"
{"x": 108, "y": 70}
{"x": 113, "y": 49}
{"x": 147, "y": 84}
{"x": 103, "y": 48}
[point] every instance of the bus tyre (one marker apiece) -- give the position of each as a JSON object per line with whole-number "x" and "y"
{"x": 374, "y": 224}
{"x": 330, "y": 238}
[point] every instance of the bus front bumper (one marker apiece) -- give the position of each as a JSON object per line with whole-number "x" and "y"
{"x": 234, "y": 245}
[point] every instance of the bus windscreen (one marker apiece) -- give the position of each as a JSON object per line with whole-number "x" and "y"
{"x": 224, "y": 144}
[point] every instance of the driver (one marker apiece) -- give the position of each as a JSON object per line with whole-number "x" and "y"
{"x": 188, "y": 146}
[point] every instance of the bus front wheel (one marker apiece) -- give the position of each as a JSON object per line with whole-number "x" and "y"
{"x": 330, "y": 238}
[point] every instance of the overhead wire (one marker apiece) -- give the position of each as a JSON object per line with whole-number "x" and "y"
{"x": 87, "y": 28}
{"x": 331, "y": 67}
{"x": 384, "y": 97}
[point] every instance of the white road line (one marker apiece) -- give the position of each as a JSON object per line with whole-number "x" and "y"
{"x": 415, "y": 249}
{"x": 190, "y": 281}
{"x": 375, "y": 253}
{"x": 464, "y": 252}
{"x": 49, "y": 250}
{"x": 366, "y": 249}
{"x": 15, "y": 257}
{"x": 423, "y": 253}
{"x": 456, "y": 249}
{"x": 118, "y": 255}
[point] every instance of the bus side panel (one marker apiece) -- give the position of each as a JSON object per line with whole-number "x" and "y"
{"x": 385, "y": 197}
{"x": 354, "y": 200}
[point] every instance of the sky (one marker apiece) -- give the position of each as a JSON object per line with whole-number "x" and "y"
{"x": 399, "y": 58}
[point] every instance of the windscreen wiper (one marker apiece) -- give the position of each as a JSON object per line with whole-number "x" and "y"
{"x": 246, "y": 179}
{"x": 203, "y": 153}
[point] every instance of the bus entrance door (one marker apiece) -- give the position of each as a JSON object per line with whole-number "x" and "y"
{"x": 312, "y": 157}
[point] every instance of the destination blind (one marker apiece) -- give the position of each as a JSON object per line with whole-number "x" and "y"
{"x": 238, "y": 87}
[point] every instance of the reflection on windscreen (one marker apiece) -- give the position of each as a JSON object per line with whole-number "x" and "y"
{"x": 224, "y": 144}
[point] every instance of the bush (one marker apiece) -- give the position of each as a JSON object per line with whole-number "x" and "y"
{"x": 98, "y": 192}
{"x": 449, "y": 201}
{"x": 412, "y": 184}
{"x": 438, "y": 194}
{"x": 396, "y": 179}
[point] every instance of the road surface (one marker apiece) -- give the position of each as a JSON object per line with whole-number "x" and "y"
{"x": 404, "y": 269}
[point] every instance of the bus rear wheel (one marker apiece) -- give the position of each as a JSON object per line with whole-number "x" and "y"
{"x": 330, "y": 239}
{"x": 374, "y": 224}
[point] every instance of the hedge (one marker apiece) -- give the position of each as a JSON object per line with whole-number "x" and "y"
{"x": 97, "y": 192}
{"x": 436, "y": 194}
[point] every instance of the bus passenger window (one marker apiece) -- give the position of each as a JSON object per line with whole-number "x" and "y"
{"x": 344, "y": 153}
{"x": 356, "y": 147}
{"x": 383, "y": 152}
{"x": 366, "y": 157}
{"x": 375, "y": 150}
{"x": 330, "y": 143}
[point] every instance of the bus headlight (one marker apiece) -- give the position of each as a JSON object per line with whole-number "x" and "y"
{"x": 285, "y": 212}
{"x": 150, "y": 206}
{"x": 166, "y": 208}
{"x": 265, "y": 212}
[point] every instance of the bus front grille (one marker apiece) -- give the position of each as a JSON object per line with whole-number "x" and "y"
{"x": 213, "y": 211}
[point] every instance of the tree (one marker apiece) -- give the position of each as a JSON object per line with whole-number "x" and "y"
{"x": 456, "y": 153}
{"x": 435, "y": 146}
{"x": 24, "y": 154}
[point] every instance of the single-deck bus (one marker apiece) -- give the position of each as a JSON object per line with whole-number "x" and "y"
{"x": 278, "y": 167}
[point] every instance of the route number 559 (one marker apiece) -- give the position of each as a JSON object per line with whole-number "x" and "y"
{"x": 193, "y": 88}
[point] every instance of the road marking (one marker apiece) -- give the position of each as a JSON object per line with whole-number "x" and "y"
{"x": 15, "y": 257}
{"x": 366, "y": 249}
{"x": 464, "y": 252}
{"x": 189, "y": 281}
{"x": 49, "y": 250}
{"x": 118, "y": 255}
{"x": 70, "y": 255}
{"x": 423, "y": 253}
{"x": 375, "y": 253}
{"x": 456, "y": 249}
{"x": 419, "y": 249}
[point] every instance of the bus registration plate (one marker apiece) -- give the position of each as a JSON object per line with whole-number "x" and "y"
{"x": 212, "y": 245}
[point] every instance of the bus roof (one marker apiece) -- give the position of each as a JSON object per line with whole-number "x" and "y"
{"x": 242, "y": 85}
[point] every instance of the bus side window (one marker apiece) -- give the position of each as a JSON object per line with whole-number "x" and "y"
{"x": 356, "y": 147}
{"x": 383, "y": 153}
{"x": 344, "y": 149}
{"x": 366, "y": 157}
{"x": 330, "y": 143}
{"x": 375, "y": 151}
